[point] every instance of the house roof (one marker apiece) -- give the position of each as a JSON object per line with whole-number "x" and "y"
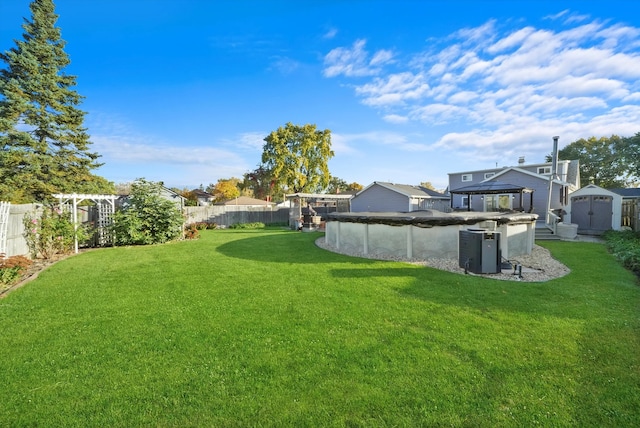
{"x": 491, "y": 188}
{"x": 572, "y": 174}
{"x": 521, "y": 171}
{"x": 245, "y": 200}
{"x": 201, "y": 193}
{"x": 409, "y": 191}
{"x": 627, "y": 193}
{"x": 527, "y": 165}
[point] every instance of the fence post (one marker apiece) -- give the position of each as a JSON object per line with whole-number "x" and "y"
{"x": 4, "y": 226}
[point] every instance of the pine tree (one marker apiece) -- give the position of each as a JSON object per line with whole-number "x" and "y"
{"x": 44, "y": 147}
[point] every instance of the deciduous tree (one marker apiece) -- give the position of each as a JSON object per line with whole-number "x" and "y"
{"x": 600, "y": 163}
{"x": 225, "y": 189}
{"x": 629, "y": 150}
{"x": 297, "y": 157}
{"x": 44, "y": 147}
{"x": 338, "y": 185}
{"x": 259, "y": 184}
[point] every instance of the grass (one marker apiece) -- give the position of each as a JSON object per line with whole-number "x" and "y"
{"x": 262, "y": 328}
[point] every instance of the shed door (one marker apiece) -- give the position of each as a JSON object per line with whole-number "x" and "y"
{"x": 593, "y": 213}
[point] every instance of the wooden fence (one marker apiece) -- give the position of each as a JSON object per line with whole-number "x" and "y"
{"x": 227, "y": 215}
{"x": 16, "y": 244}
{"x": 224, "y": 216}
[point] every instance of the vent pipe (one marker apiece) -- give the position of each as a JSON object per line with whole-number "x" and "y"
{"x": 550, "y": 220}
{"x": 554, "y": 160}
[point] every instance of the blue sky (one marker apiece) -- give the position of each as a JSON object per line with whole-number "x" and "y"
{"x": 184, "y": 91}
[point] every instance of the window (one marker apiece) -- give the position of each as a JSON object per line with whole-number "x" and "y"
{"x": 497, "y": 202}
{"x": 489, "y": 175}
{"x": 467, "y": 177}
{"x": 545, "y": 170}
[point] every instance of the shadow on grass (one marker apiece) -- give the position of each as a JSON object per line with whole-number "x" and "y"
{"x": 283, "y": 247}
{"x": 481, "y": 294}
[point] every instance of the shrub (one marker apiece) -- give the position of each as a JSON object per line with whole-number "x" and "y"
{"x": 625, "y": 246}
{"x": 11, "y": 268}
{"x": 192, "y": 232}
{"x": 147, "y": 217}
{"x": 254, "y": 225}
{"x": 53, "y": 232}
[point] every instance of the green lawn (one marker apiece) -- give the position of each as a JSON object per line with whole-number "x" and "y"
{"x": 262, "y": 328}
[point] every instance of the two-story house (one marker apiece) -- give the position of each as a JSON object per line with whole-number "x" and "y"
{"x": 548, "y": 190}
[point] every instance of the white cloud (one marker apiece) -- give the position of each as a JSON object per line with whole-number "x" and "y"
{"x": 395, "y": 118}
{"x": 394, "y": 89}
{"x": 284, "y": 65}
{"x": 398, "y": 141}
{"x": 330, "y": 34}
{"x": 354, "y": 61}
{"x": 505, "y": 91}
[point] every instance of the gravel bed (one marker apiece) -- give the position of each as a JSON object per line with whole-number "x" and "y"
{"x": 538, "y": 266}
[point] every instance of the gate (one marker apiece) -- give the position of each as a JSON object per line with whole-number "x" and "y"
{"x": 592, "y": 213}
{"x": 630, "y": 214}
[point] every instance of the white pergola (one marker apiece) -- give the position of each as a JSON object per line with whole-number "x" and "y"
{"x": 106, "y": 207}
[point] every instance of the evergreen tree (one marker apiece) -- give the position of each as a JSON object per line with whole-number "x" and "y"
{"x": 44, "y": 148}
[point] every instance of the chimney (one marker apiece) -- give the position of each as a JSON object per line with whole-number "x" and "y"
{"x": 521, "y": 160}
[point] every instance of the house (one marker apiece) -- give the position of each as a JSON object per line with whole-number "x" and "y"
{"x": 203, "y": 197}
{"x": 596, "y": 210}
{"x": 166, "y": 193}
{"x": 536, "y": 178}
{"x": 381, "y": 196}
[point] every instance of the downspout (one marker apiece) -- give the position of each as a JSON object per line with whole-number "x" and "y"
{"x": 552, "y": 176}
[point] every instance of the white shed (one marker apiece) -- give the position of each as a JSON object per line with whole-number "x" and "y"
{"x": 595, "y": 210}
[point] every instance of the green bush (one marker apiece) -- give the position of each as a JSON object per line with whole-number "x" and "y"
{"x": 192, "y": 232}
{"x": 52, "y": 232}
{"x": 147, "y": 217}
{"x": 625, "y": 246}
{"x": 254, "y": 225}
{"x": 203, "y": 225}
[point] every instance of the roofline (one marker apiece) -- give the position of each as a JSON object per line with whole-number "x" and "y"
{"x": 386, "y": 184}
{"x": 523, "y": 171}
{"x": 500, "y": 168}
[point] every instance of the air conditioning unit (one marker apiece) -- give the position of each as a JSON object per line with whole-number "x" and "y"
{"x": 479, "y": 251}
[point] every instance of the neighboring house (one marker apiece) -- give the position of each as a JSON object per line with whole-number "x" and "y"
{"x": 247, "y": 202}
{"x": 596, "y": 210}
{"x": 389, "y": 197}
{"x": 203, "y": 197}
{"x": 535, "y": 177}
{"x": 166, "y": 193}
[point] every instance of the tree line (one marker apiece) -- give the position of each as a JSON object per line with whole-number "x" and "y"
{"x": 608, "y": 162}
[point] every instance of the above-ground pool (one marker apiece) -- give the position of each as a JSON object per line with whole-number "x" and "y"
{"x": 426, "y": 234}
